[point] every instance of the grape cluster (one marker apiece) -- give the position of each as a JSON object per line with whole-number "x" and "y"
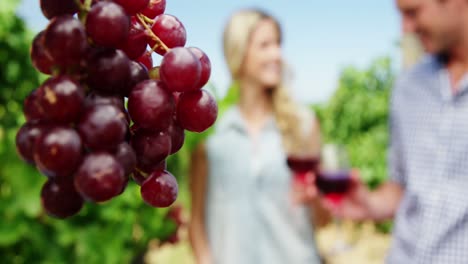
{"x": 106, "y": 114}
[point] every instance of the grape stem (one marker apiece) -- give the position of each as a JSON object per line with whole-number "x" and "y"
{"x": 84, "y": 6}
{"x": 147, "y": 19}
{"x": 88, "y": 4}
{"x": 159, "y": 42}
{"x": 84, "y": 9}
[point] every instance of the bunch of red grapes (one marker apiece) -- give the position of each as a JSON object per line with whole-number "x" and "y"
{"x": 106, "y": 114}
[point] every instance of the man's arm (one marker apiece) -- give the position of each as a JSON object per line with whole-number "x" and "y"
{"x": 362, "y": 204}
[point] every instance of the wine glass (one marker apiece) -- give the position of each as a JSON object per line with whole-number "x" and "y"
{"x": 333, "y": 181}
{"x": 303, "y": 156}
{"x": 301, "y": 165}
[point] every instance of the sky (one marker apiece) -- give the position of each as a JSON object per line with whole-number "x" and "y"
{"x": 320, "y": 37}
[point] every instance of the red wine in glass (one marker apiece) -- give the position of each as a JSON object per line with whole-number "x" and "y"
{"x": 301, "y": 166}
{"x": 333, "y": 181}
{"x": 333, "y": 184}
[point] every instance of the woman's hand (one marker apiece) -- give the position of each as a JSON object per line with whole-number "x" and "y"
{"x": 303, "y": 188}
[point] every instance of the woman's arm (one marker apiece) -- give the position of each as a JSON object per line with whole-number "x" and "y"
{"x": 198, "y": 182}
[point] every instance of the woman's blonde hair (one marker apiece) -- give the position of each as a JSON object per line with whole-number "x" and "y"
{"x": 236, "y": 40}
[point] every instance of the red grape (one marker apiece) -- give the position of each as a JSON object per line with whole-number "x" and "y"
{"x": 154, "y": 8}
{"x": 94, "y": 98}
{"x": 65, "y": 41}
{"x": 138, "y": 73}
{"x": 197, "y": 110}
{"x": 147, "y": 167}
{"x": 102, "y": 127}
{"x": 107, "y": 24}
{"x": 32, "y": 110}
{"x": 39, "y": 57}
{"x": 61, "y": 99}
{"x": 160, "y": 166}
{"x": 109, "y": 71}
{"x": 160, "y": 189}
{"x": 100, "y": 177}
{"x": 140, "y": 175}
{"x": 58, "y": 152}
{"x": 135, "y": 44}
{"x": 126, "y": 156}
{"x": 205, "y": 66}
{"x": 170, "y": 31}
{"x": 124, "y": 186}
{"x": 177, "y": 134}
{"x": 151, "y": 106}
{"x": 60, "y": 198}
{"x": 180, "y": 70}
{"x": 26, "y": 139}
{"x": 150, "y": 148}
{"x": 132, "y": 6}
{"x": 53, "y": 8}
{"x": 146, "y": 60}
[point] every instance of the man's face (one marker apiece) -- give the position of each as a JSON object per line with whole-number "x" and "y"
{"x": 437, "y": 23}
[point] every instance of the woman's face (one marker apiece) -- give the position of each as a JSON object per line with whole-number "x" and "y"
{"x": 263, "y": 61}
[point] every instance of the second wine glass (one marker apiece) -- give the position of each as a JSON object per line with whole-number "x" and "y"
{"x": 333, "y": 181}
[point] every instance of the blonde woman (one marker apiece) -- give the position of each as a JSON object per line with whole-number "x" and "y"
{"x": 241, "y": 186}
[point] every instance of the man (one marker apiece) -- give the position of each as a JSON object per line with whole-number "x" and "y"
{"x": 428, "y": 188}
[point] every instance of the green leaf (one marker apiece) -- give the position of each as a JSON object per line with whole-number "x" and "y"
{"x": 11, "y": 230}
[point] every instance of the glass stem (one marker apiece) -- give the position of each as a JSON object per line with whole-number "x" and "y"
{"x": 340, "y": 244}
